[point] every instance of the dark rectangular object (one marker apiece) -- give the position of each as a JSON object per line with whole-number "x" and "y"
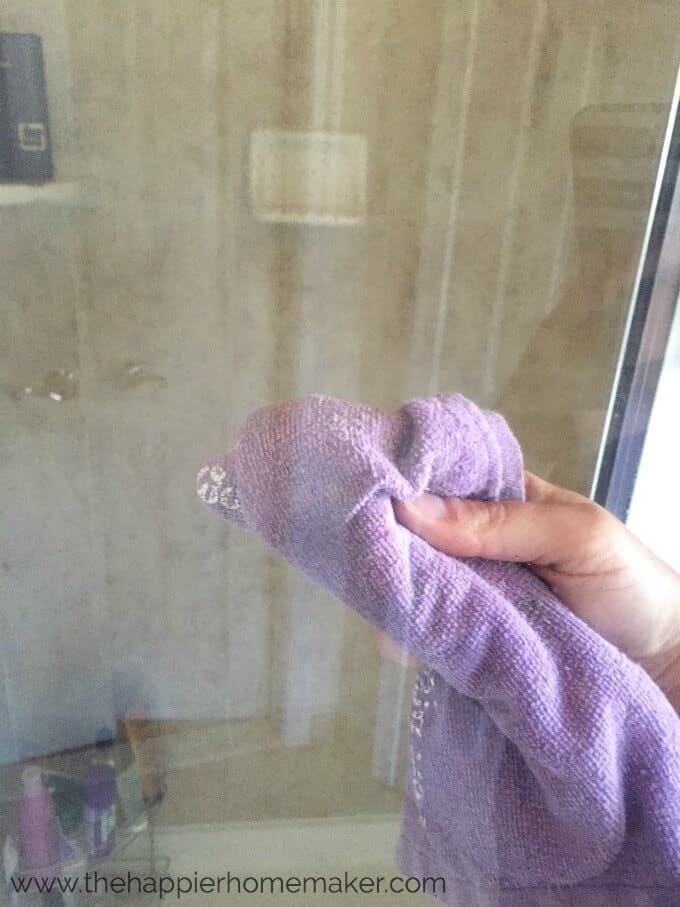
{"x": 26, "y": 134}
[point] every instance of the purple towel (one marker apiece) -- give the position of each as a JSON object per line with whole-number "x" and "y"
{"x": 545, "y": 765}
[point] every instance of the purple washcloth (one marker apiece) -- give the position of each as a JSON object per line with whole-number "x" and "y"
{"x": 545, "y": 765}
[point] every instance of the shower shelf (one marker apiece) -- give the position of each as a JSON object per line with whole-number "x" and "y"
{"x": 57, "y": 193}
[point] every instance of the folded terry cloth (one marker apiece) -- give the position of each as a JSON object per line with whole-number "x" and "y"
{"x": 545, "y": 765}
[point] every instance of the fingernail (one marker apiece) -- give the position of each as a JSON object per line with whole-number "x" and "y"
{"x": 428, "y": 507}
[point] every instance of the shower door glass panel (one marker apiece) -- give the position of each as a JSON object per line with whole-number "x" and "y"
{"x": 253, "y": 200}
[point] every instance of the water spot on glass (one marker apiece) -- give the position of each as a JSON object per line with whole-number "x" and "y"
{"x": 229, "y": 498}
{"x": 58, "y": 385}
{"x": 217, "y": 474}
{"x": 61, "y": 385}
{"x": 213, "y": 488}
{"x": 131, "y": 374}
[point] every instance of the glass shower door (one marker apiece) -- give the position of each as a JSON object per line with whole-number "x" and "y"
{"x": 243, "y": 201}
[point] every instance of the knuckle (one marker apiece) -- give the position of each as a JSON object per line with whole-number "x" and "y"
{"x": 598, "y": 523}
{"x": 492, "y": 516}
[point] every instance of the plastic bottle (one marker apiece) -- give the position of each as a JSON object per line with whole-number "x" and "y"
{"x": 10, "y": 865}
{"x": 40, "y": 832}
{"x": 131, "y": 805}
{"x": 100, "y": 809}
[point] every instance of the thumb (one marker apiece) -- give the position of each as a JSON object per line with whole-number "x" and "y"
{"x": 541, "y": 533}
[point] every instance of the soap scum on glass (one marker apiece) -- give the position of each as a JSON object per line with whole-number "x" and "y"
{"x": 213, "y": 488}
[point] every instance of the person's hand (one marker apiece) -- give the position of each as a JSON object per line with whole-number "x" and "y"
{"x": 585, "y": 555}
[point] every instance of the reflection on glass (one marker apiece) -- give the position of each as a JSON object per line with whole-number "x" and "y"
{"x": 372, "y": 201}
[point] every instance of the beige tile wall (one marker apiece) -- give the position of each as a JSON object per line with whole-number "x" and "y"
{"x": 495, "y": 259}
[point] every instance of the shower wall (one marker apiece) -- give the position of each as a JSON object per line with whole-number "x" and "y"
{"x": 512, "y": 148}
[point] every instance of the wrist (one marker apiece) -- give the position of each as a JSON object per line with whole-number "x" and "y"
{"x": 664, "y": 667}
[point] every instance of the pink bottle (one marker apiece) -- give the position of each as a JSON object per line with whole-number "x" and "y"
{"x": 40, "y": 832}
